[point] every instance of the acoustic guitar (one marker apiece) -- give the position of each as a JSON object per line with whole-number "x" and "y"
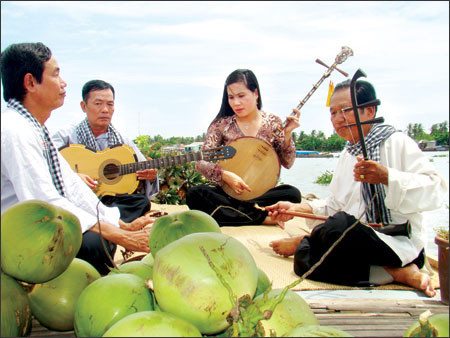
{"x": 115, "y": 168}
{"x": 256, "y": 162}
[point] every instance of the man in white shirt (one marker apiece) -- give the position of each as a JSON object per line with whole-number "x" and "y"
{"x": 97, "y": 132}
{"x": 31, "y": 166}
{"x": 407, "y": 185}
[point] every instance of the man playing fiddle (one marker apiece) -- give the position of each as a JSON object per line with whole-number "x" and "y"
{"x": 407, "y": 185}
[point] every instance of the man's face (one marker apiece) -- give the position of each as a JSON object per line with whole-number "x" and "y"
{"x": 341, "y": 99}
{"x": 99, "y": 108}
{"x": 51, "y": 92}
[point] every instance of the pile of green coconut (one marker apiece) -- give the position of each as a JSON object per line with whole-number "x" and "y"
{"x": 196, "y": 282}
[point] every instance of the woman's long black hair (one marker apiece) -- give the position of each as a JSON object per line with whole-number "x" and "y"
{"x": 247, "y": 77}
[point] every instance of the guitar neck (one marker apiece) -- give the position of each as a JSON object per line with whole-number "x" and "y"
{"x": 130, "y": 168}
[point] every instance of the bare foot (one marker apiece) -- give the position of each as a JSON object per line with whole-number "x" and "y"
{"x": 286, "y": 246}
{"x": 412, "y": 276}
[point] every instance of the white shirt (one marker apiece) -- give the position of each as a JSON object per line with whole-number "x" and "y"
{"x": 25, "y": 175}
{"x": 68, "y": 135}
{"x": 413, "y": 187}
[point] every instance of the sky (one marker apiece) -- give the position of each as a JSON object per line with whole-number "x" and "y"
{"x": 168, "y": 60}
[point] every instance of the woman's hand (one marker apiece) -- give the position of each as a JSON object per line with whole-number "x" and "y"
{"x": 293, "y": 122}
{"x": 235, "y": 182}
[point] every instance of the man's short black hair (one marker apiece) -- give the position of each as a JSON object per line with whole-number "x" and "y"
{"x": 365, "y": 91}
{"x": 93, "y": 85}
{"x": 18, "y": 60}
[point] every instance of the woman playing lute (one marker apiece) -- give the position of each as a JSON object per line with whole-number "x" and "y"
{"x": 240, "y": 117}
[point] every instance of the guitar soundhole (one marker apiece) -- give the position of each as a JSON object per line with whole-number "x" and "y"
{"x": 111, "y": 171}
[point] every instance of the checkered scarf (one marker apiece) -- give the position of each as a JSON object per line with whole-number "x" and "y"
{"x": 377, "y": 134}
{"x": 48, "y": 148}
{"x": 86, "y": 137}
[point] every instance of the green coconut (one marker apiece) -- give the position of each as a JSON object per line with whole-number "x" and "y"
{"x": 53, "y": 303}
{"x": 169, "y": 228}
{"x": 109, "y": 299}
{"x": 186, "y": 285}
{"x": 38, "y": 241}
{"x": 138, "y": 268}
{"x": 152, "y": 324}
{"x": 293, "y": 311}
{"x": 429, "y": 325}
{"x": 263, "y": 283}
{"x": 16, "y": 311}
{"x": 148, "y": 259}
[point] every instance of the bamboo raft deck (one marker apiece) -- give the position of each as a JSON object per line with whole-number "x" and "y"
{"x": 359, "y": 317}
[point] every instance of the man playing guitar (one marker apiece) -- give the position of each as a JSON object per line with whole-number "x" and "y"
{"x": 97, "y": 132}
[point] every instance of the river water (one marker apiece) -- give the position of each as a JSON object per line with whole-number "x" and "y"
{"x": 306, "y": 170}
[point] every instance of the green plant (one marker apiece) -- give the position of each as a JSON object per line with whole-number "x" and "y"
{"x": 441, "y": 232}
{"x": 174, "y": 181}
{"x": 325, "y": 178}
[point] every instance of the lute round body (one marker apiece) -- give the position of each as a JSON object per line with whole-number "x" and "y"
{"x": 256, "y": 162}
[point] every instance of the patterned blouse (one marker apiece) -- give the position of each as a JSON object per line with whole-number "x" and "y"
{"x": 226, "y": 130}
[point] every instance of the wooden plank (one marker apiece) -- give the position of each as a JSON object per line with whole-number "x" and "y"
{"x": 415, "y": 307}
{"x": 359, "y": 317}
{"x": 362, "y": 321}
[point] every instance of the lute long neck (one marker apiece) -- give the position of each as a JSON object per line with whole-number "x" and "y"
{"x": 341, "y": 57}
{"x": 130, "y": 168}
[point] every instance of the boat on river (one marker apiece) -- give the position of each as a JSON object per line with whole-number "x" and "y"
{"x": 312, "y": 154}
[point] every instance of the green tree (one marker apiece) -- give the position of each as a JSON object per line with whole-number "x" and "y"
{"x": 417, "y": 132}
{"x": 439, "y": 132}
{"x": 334, "y": 143}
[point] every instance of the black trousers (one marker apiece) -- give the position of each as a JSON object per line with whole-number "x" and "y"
{"x": 131, "y": 206}
{"x": 349, "y": 262}
{"x": 207, "y": 199}
{"x": 93, "y": 252}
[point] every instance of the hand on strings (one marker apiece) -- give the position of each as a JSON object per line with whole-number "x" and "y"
{"x": 369, "y": 171}
{"x": 147, "y": 174}
{"x": 88, "y": 180}
{"x": 293, "y": 121}
{"x": 235, "y": 182}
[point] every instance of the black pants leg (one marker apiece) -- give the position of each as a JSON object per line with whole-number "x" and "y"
{"x": 208, "y": 199}
{"x": 93, "y": 252}
{"x": 349, "y": 262}
{"x": 130, "y": 206}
